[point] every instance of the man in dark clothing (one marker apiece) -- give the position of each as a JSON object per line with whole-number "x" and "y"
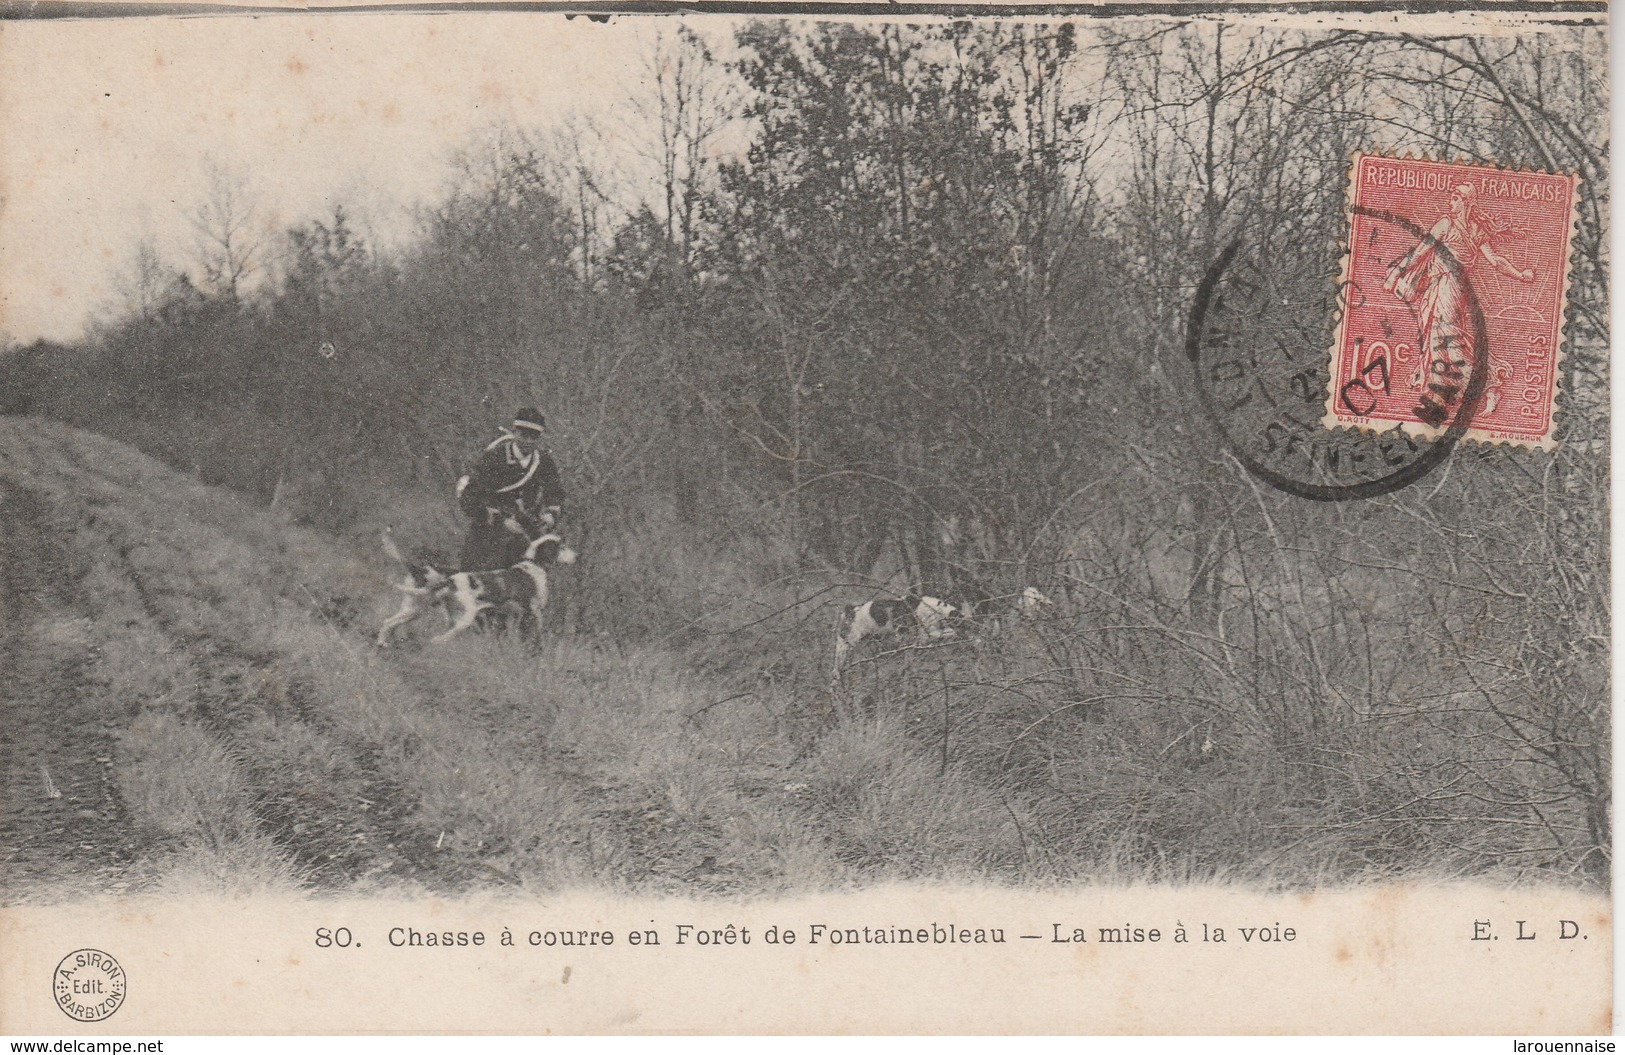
{"x": 511, "y": 494}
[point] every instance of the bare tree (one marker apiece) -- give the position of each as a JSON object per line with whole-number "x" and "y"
{"x": 145, "y": 284}
{"x": 693, "y": 102}
{"x": 227, "y": 234}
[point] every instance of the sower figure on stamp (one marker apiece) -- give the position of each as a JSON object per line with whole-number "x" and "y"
{"x": 510, "y": 495}
{"x": 1446, "y": 347}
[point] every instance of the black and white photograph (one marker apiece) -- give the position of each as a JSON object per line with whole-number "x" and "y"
{"x": 1115, "y": 498}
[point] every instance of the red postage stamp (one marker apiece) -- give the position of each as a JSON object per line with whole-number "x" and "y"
{"x": 1453, "y": 272}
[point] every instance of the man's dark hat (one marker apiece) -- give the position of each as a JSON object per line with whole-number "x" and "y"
{"x": 530, "y": 420}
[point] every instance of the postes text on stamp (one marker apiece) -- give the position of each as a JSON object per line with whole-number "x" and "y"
{"x": 1453, "y": 292}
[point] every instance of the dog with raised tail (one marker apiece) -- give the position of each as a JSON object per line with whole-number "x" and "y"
{"x": 463, "y": 595}
{"x": 931, "y": 616}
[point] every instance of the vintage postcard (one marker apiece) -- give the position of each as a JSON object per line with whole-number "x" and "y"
{"x": 541, "y": 522}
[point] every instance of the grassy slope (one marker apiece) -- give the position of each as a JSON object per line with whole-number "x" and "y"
{"x": 261, "y": 741}
{"x": 221, "y": 660}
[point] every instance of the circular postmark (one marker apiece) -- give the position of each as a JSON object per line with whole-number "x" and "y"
{"x": 89, "y": 985}
{"x": 1259, "y": 343}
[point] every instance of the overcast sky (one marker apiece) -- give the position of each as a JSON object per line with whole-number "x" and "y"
{"x": 109, "y": 126}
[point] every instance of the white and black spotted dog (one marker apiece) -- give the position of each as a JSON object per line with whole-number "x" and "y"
{"x": 463, "y": 595}
{"x": 995, "y": 613}
{"x": 931, "y": 616}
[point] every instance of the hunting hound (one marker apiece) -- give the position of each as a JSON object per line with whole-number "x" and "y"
{"x": 463, "y": 595}
{"x": 930, "y": 615}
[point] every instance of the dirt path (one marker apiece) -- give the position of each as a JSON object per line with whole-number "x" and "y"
{"x": 64, "y": 833}
{"x": 169, "y": 644}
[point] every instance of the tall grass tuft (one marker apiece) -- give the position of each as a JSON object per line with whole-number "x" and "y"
{"x": 179, "y": 779}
